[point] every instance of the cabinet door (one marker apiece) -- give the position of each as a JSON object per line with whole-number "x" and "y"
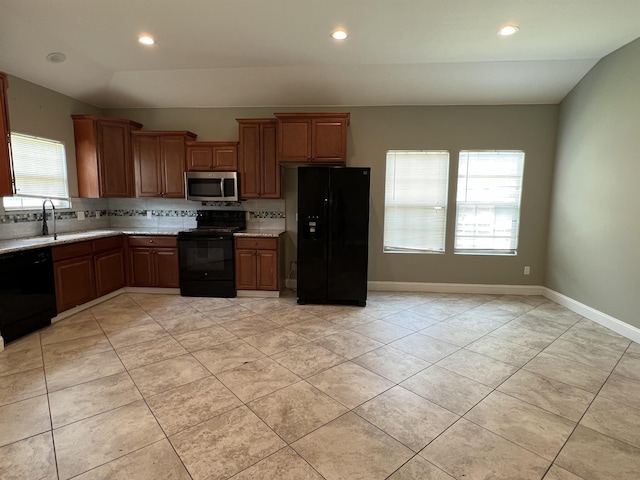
{"x": 166, "y": 267}
{"x": 225, "y": 158}
{"x": 114, "y": 159}
{"x": 141, "y": 265}
{"x": 246, "y": 271}
{"x": 75, "y": 282}
{"x": 267, "y": 270}
{"x": 270, "y": 169}
{"x": 249, "y": 160}
{"x": 173, "y": 155}
{"x": 199, "y": 158}
{"x": 329, "y": 140}
{"x": 146, "y": 153}
{"x": 295, "y": 140}
{"x": 109, "y": 270}
{"x": 6, "y": 166}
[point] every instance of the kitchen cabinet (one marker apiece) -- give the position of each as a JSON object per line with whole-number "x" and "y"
{"x": 73, "y": 274}
{"x": 103, "y": 156}
{"x": 212, "y": 156}
{"x": 260, "y": 173}
{"x": 257, "y": 263}
{"x": 159, "y": 159}
{"x": 153, "y": 261}
{"x": 109, "y": 264}
{"x": 87, "y": 269}
{"x": 6, "y": 164}
{"x": 312, "y": 137}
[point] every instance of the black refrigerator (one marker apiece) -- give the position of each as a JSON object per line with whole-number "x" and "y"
{"x": 333, "y": 234}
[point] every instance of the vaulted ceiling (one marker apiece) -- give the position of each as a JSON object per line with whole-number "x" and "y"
{"x": 217, "y": 53}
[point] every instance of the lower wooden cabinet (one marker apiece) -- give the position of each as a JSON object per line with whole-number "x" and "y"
{"x": 257, "y": 263}
{"x": 109, "y": 264}
{"x": 153, "y": 261}
{"x": 74, "y": 275}
{"x": 87, "y": 270}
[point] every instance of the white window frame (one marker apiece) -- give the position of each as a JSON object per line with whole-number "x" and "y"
{"x": 491, "y": 197}
{"x": 416, "y": 195}
{"x": 32, "y": 188}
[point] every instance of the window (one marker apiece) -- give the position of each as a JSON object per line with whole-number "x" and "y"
{"x": 40, "y": 170}
{"x": 488, "y": 201}
{"x": 415, "y": 203}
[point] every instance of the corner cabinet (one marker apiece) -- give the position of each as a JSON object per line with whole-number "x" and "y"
{"x": 6, "y": 164}
{"x": 103, "y": 156}
{"x": 212, "y": 156}
{"x": 312, "y": 137}
{"x": 159, "y": 159}
{"x": 153, "y": 261}
{"x": 258, "y": 167}
{"x": 258, "y": 264}
{"x": 87, "y": 270}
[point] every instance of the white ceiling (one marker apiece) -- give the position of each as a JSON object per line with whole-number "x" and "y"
{"x": 216, "y": 53}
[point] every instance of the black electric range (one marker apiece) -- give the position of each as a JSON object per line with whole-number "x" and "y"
{"x": 206, "y": 254}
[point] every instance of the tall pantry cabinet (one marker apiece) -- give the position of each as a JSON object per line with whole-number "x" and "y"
{"x": 257, "y": 159}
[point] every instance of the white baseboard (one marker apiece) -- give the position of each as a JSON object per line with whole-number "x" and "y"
{"x": 455, "y": 288}
{"x": 93, "y": 303}
{"x": 258, "y": 293}
{"x": 612, "y": 323}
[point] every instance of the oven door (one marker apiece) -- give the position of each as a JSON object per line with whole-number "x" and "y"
{"x": 207, "y": 266}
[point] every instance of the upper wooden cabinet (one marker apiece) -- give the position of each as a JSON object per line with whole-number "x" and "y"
{"x": 103, "y": 156}
{"x": 159, "y": 158}
{"x": 6, "y": 165}
{"x": 257, "y": 158}
{"x": 208, "y": 156}
{"x": 312, "y": 137}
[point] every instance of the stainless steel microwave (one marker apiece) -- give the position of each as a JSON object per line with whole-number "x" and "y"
{"x": 212, "y": 186}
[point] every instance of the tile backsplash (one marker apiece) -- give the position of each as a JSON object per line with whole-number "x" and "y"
{"x": 153, "y": 213}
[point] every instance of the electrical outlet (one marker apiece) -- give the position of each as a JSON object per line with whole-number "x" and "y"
{"x": 80, "y": 215}
{"x": 97, "y": 213}
{"x": 149, "y": 214}
{"x": 527, "y": 269}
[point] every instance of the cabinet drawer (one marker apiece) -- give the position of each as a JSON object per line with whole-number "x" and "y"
{"x": 151, "y": 241}
{"x": 105, "y": 244}
{"x": 72, "y": 250}
{"x": 257, "y": 243}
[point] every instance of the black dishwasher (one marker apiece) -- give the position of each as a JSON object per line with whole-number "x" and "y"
{"x": 27, "y": 292}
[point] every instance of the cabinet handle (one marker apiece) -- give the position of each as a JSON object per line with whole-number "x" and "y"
{"x": 150, "y": 241}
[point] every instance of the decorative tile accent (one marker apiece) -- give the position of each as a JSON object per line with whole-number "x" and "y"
{"x": 266, "y": 215}
{"x": 221, "y": 204}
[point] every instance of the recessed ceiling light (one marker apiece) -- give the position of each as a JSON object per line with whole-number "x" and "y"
{"x": 146, "y": 39}
{"x": 508, "y": 30}
{"x": 339, "y": 34}
{"x": 56, "y": 57}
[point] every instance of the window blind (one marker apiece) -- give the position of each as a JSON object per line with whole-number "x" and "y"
{"x": 415, "y": 211}
{"x": 488, "y": 201}
{"x": 40, "y": 171}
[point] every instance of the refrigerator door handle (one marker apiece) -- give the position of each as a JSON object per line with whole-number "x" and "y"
{"x": 328, "y": 205}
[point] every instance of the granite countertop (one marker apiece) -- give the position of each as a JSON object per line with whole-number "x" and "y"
{"x": 18, "y": 244}
{"x": 259, "y": 233}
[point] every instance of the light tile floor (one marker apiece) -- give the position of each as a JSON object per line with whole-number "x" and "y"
{"x": 414, "y": 386}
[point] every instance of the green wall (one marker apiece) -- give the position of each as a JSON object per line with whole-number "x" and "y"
{"x": 37, "y": 111}
{"x": 595, "y": 220}
{"x": 373, "y": 131}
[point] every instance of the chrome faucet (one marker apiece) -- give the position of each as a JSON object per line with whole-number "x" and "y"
{"x": 45, "y": 228}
